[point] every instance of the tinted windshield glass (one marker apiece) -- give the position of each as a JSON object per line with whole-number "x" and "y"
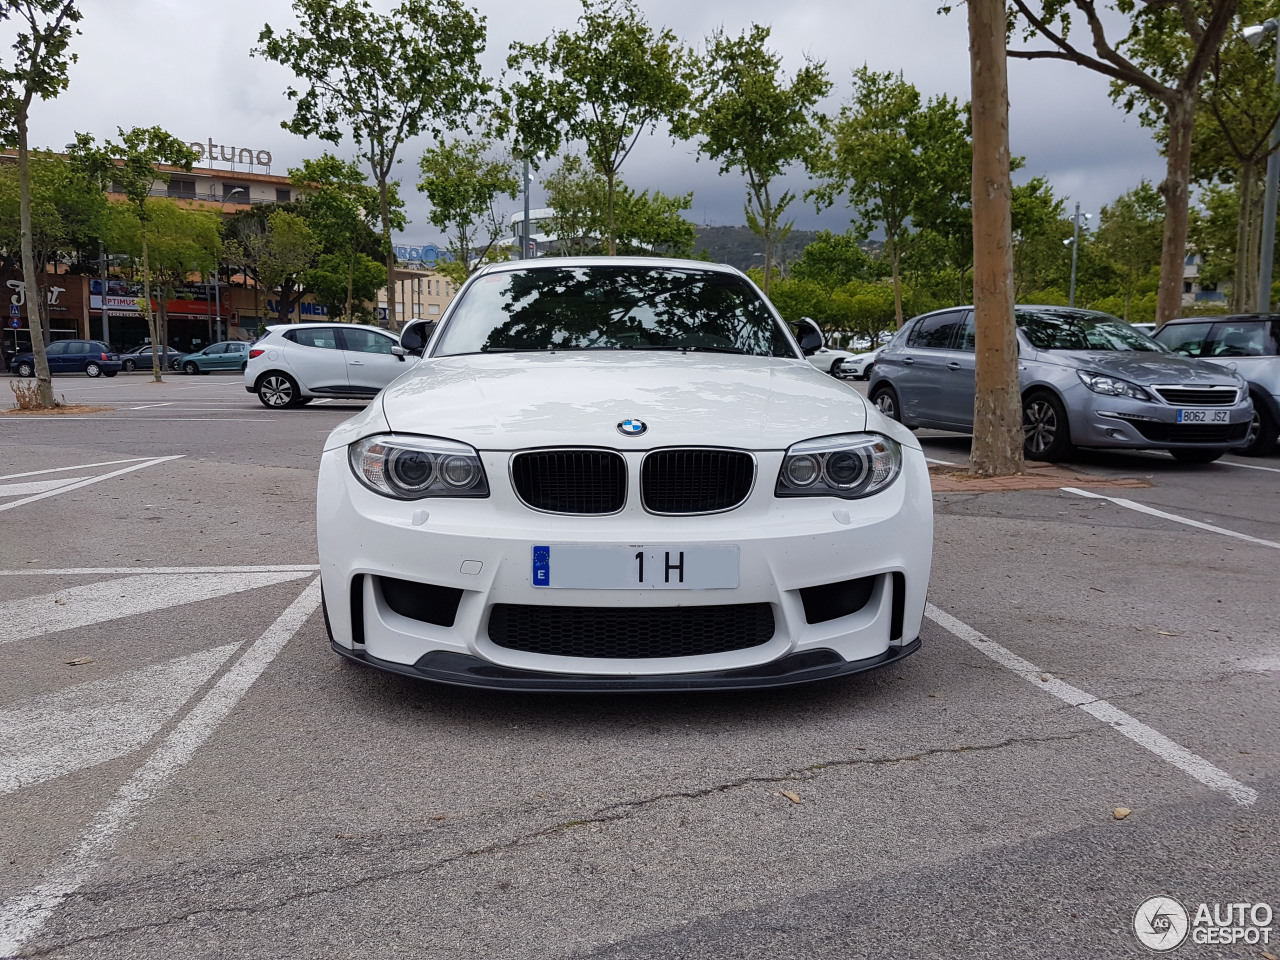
{"x": 612, "y": 308}
{"x": 1066, "y": 330}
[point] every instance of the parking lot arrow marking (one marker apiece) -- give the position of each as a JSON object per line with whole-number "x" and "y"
{"x": 1153, "y": 512}
{"x": 78, "y": 466}
{"x": 79, "y": 727}
{"x": 106, "y": 600}
{"x": 1141, "y": 734}
{"x": 84, "y": 483}
{"x": 23, "y": 916}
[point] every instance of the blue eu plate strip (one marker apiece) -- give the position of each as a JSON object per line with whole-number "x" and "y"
{"x": 542, "y": 566}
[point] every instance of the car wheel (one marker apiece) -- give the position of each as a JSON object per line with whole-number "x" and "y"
{"x": 885, "y": 400}
{"x": 278, "y": 390}
{"x": 1262, "y": 433}
{"x": 26, "y": 370}
{"x": 190, "y": 369}
{"x": 109, "y": 373}
{"x": 92, "y": 369}
{"x": 1046, "y": 434}
{"x": 130, "y": 366}
{"x": 1196, "y": 456}
{"x": 866, "y": 374}
{"x": 244, "y": 366}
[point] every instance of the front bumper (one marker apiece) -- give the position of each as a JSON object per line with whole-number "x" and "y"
{"x": 482, "y": 549}
{"x": 1121, "y": 422}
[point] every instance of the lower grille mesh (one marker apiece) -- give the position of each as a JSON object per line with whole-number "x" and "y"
{"x": 1189, "y": 432}
{"x": 630, "y": 632}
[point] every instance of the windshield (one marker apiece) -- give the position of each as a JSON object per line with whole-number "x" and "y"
{"x": 1078, "y": 330}
{"x": 612, "y": 308}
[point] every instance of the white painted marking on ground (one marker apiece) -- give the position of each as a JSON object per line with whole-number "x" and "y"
{"x": 1263, "y": 664}
{"x": 1153, "y": 512}
{"x": 35, "y": 486}
{"x": 947, "y": 463}
{"x": 84, "y": 483}
{"x": 1141, "y": 734}
{"x": 78, "y": 466}
{"x": 22, "y": 917}
{"x": 149, "y": 406}
{"x": 88, "y": 724}
{"x": 1248, "y": 466}
{"x": 74, "y": 607}
{"x": 151, "y": 571}
{"x": 96, "y": 418}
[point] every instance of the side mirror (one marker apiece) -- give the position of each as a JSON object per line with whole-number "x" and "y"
{"x": 810, "y": 336}
{"x": 400, "y": 353}
{"x": 415, "y": 336}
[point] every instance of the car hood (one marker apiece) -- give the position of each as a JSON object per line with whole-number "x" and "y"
{"x": 509, "y": 401}
{"x": 1143, "y": 368}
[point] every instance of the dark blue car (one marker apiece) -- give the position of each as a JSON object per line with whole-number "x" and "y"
{"x": 92, "y": 357}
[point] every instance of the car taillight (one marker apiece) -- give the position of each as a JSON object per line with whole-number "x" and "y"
{"x": 105, "y": 357}
{"x": 256, "y": 353}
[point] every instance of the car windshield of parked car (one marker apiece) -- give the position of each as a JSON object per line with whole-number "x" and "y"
{"x": 1245, "y": 338}
{"x": 612, "y": 308}
{"x": 1063, "y": 330}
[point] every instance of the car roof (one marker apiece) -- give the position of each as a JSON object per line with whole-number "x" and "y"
{"x": 656, "y": 263}
{"x": 1224, "y": 317}
{"x": 329, "y": 323}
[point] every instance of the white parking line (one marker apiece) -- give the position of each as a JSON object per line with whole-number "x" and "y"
{"x": 90, "y": 723}
{"x": 97, "y": 418}
{"x": 1164, "y": 748}
{"x": 35, "y": 486}
{"x": 106, "y": 600}
{"x": 149, "y": 406}
{"x": 78, "y": 466}
{"x": 84, "y": 483}
{"x": 1263, "y": 664}
{"x": 1152, "y": 511}
{"x": 1248, "y": 466}
{"x": 22, "y": 917}
{"x": 151, "y": 571}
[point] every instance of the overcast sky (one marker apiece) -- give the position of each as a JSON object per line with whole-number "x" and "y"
{"x": 185, "y": 65}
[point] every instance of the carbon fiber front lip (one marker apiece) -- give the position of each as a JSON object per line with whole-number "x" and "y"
{"x": 462, "y": 670}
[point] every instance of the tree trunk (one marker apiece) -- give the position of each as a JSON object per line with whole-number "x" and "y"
{"x": 384, "y": 210}
{"x": 897, "y": 283}
{"x": 768, "y": 250}
{"x": 1240, "y": 296}
{"x": 44, "y": 383}
{"x": 997, "y": 406}
{"x": 152, "y": 326}
{"x": 1181, "y": 120}
{"x": 1254, "y": 256}
{"x": 611, "y": 243}
{"x": 351, "y": 279}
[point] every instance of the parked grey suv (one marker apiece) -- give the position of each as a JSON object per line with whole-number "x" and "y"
{"x": 1249, "y": 344}
{"x": 1088, "y": 380}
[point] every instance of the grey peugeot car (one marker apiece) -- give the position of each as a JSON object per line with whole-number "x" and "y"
{"x": 1088, "y": 380}
{"x": 1248, "y": 344}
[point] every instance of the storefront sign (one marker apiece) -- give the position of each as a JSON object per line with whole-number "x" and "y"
{"x": 428, "y": 254}
{"x": 19, "y": 298}
{"x": 304, "y": 309}
{"x": 224, "y": 153}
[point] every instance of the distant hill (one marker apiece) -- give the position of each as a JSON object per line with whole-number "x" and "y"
{"x": 737, "y": 246}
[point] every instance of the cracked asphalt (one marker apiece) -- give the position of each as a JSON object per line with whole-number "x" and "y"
{"x": 949, "y": 807}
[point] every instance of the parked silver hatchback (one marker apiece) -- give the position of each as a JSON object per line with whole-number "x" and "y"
{"x": 1087, "y": 378}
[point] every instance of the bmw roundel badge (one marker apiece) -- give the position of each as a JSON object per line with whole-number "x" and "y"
{"x": 632, "y": 428}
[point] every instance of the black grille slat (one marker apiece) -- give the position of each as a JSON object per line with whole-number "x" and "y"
{"x": 571, "y": 481}
{"x": 630, "y": 632}
{"x": 1198, "y": 397}
{"x": 695, "y": 481}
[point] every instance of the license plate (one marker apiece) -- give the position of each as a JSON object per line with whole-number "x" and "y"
{"x": 635, "y": 567}
{"x": 1204, "y": 416}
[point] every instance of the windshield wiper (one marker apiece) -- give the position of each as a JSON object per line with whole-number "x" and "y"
{"x": 702, "y": 349}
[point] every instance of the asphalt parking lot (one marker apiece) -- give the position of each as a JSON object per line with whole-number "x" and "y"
{"x": 186, "y": 770}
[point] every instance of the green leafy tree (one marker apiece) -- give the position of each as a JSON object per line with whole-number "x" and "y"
{"x": 381, "y": 79}
{"x": 1156, "y": 67}
{"x": 67, "y": 210}
{"x": 1041, "y": 261}
{"x": 140, "y": 152}
{"x": 463, "y": 181}
{"x": 289, "y": 251}
{"x": 878, "y": 155}
{"x": 342, "y": 210}
{"x": 834, "y": 260}
{"x": 1129, "y": 235}
{"x": 578, "y": 197}
{"x": 37, "y": 70}
{"x": 750, "y": 119}
{"x": 651, "y": 223}
{"x": 602, "y": 85}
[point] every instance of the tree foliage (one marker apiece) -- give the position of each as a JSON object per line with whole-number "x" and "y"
{"x": 381, "y": 79}
{"x": 602, "y": 85}
{"x": 463, "y": 181}
{"x": 752, "y": 120}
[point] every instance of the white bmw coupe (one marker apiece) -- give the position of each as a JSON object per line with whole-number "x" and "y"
{"x": 621, "y": 474}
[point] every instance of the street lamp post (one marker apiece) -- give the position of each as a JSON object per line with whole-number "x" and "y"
{"x": 1255, "y": 35}
{"x": 1075, "y": 253}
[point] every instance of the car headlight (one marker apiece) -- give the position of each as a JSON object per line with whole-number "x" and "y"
{"x": 411, "y": 468}
{"x": 850, "y": 465}
{"x": 1100, "y": 383}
